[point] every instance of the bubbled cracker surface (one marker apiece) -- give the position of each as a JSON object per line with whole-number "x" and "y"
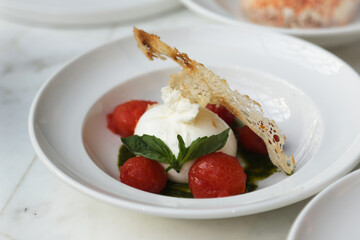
{"x": 200, "y": 85}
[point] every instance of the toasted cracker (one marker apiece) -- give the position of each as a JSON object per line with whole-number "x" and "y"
{"x": 200, "y": 85}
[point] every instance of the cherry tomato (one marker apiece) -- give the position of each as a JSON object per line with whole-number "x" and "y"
{"x": 222, "y": 112}
{"x": 143, "y": 174}
{"x": 124, "y": 118}
{"x": 250, "y": 141}
{"x": 216, "y": 175}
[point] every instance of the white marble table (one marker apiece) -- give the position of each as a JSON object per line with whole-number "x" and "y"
{"x": 34, "y": 204}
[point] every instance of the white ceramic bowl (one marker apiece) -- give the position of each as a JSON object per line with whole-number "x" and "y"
{"x": 81, "y": 12}
{"x": 307, "y": 90}
{"x": 333, "y": 214}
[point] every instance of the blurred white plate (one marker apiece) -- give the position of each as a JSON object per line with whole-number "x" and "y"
{"x": 307, "y": 90}
{"x": 333, "y": 214}
{"x": 228, "y": 11}
{"x": 82, "y": 12}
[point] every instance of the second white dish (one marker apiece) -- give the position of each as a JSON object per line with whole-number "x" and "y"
{"x": 333, "y": 214}
{"x": 81, "y": 12}
{"x": 228, "y": 11}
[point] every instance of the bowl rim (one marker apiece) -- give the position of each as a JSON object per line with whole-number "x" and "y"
{"x": 352, "y": 155}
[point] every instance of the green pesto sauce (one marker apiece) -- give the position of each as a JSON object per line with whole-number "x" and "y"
{"x": 256, "y": 166}
{"x": 174, "y": 189}
{"x": 123, "y": 155}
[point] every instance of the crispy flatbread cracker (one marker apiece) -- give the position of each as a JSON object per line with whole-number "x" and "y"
{"x": 200, "y": 85}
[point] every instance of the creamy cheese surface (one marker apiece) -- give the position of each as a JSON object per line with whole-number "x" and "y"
{"x": 179, "y": 116}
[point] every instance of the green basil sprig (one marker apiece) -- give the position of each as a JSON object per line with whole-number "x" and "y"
{"x": 155, "y": 149}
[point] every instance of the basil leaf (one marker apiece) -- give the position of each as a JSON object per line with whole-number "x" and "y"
{"x": 155, "y": 149}
{"x": 205, "y": 145}
{"x": 150, "y": 147}
{"x": 182, "y": 147}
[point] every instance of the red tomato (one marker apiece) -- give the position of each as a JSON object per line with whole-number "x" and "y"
{"x": 110, "y": 123}
{"x": 143, "y": 174}
{"x": 125, "y": 117}
{"x": 222, "y": 112}
{"x": 250, "y": 141}
{"x": 216, "y": 175}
